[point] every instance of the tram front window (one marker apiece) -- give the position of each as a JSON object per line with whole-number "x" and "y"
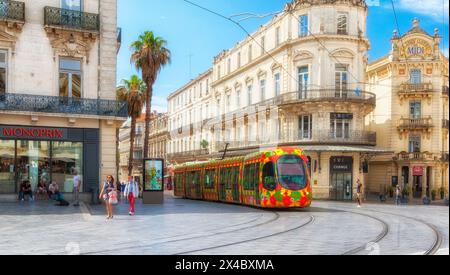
{"x": 291, "y": 172}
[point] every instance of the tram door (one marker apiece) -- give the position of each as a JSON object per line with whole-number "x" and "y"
{"x": 188, "y": 184}
{"x": 222, "y": 184}
{"x": 256, "y": 184}
{"x": 235, "y": 183}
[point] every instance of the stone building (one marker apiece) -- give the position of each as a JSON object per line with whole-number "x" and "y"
{"x": 297, "y": 81}
{"x": 58, "y": 108}
{"x": 412, "y": 115}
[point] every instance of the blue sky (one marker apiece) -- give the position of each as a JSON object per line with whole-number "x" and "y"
{"x": 195, "y": 37}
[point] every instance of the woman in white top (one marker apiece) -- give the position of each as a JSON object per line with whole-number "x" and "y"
{"x": 131, "y": 192}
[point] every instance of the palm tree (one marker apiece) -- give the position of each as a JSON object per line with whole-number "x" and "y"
{"x": 133, "y": 91}
{"x": 149, "y": 56}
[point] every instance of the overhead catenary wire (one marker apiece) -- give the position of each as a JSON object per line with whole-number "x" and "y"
{"x": 249, "y": 35}
{"x": 230, "y": 19}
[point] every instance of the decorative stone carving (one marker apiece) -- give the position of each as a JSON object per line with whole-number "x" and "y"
{"x": 302, "y": 55}
{"x": 342, "y": 53}
{"x": 8, "y": 38}
{"x": 71, "y": 44}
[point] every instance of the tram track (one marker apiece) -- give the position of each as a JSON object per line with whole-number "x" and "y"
{"x": 273, "y": 219}
{"x": 310, "y": 221}
{"x": 380, "y": 236}
{"x": 434, "y": 248}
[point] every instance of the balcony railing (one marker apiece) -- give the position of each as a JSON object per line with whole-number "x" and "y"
{"x": 415, "y": 123}
{"x": 63, "y": 105}
{"x": 416, "y": 88}
{"x": 12, "y": 10}
{"x": 445, "y": 123}
{"x": 322, "y": 95}
{"x": 293, "y": 98}
{"x": 318, "y": 138}
{"x": 71, "y": 19}
{"x": 415, "y": 156}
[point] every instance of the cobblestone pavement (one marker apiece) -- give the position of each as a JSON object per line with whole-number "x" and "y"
{"x": 196, "y": 227}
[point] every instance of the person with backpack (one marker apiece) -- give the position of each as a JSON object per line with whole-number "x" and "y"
{"x": 109, "y": 196}
{"x": 131, "y": 192}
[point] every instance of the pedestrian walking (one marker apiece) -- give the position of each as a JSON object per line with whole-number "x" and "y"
{"x": 76, "y": 188}
{"x": 398, "y": 193}
{"x": 109, "y": 196}
{"x": 132, "y": 193}
{"x": 359, "y": 192}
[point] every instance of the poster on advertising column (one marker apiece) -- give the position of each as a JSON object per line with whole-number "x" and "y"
{"x": 153, "y": 181}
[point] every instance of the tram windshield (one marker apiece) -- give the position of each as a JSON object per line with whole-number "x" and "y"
{"x": 291, "y": 172}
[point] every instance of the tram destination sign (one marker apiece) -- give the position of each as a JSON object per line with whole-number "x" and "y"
{"x": 33, "y": 133}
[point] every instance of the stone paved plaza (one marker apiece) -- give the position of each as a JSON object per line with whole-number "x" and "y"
{"x": 203, "y": 228}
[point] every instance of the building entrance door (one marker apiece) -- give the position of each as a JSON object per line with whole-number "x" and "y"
{"x": 341, "y": 174}
{"x": 7, "y": 167}
{"x": 417, "y": 187}
{"x": 341, "y": 187}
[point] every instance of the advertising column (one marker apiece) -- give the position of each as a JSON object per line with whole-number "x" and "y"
{"x": 153, "y": 192}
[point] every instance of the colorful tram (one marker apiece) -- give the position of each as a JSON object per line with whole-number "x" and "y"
{"x": 273, "y": 178}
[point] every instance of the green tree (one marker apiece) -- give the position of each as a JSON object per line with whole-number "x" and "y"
{"x": 133, "y": 91}
{"x": 150, "y": 55}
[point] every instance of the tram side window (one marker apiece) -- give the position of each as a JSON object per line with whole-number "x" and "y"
{"x": 235, "y": 177}
{"x": 256, "y": 176}
{"x": 247, "y": 176}
{"x": 269, "y": 181}
{"x": 209, "y": 179}
{"x": 228, "y": 178}
{"x": 223, "y": 176}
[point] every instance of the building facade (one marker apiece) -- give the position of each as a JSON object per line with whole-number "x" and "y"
{"x": 298, "y": 80}
{"x": 58, "y": 113}
{"x": 159, "y": 136}
{"x": 412, "y": 115}
{"x": 138, "y": 149}
{"x": 188, "y": 110}
{"x": 158, "y": 140}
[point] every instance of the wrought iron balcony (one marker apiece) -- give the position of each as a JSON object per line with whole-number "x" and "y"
{"x": 323, "y": 137}
{"x": 332, "y": 96}
{"x": 63, "y": 105}
{"x": 414, "y": 156}
{"x": 70, "y": 19}
{"x": 415, "y": 124}
{"x": 12, "y": 11}
{"x": 416, "y": 88}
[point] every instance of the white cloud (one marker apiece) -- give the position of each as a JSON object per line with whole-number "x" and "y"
{"x": 436, "y": 9}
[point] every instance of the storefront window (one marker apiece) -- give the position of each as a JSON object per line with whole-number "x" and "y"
{"x": 67, "y": 162}
{"x": 7, "y": 154}
{"x": 33, "y": 162}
